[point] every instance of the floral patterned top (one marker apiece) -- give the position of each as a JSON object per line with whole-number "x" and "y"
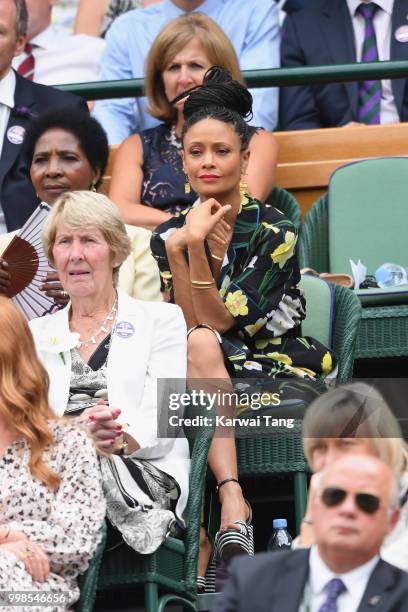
{"x": 65, "y": 523}
{"x": 259, "y": 284}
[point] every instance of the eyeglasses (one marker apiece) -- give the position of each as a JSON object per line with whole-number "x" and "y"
{"x": 368, "y": 503}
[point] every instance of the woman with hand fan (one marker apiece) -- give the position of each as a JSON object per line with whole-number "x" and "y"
{"x": 65, "y": 151}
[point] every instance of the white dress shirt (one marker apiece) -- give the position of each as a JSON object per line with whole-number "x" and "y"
{"x": 320, "y": 575}
{"x": 64, "y": 58}
{"x": 382, "y": 26}
{"x": 7, "y": 88}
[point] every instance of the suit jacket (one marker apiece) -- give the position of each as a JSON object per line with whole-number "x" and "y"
{"x": 149, "y": 344}
{"x": 323, "y": 35}
{"x": 274, "y": 582}
{"x": 17, "y": 195}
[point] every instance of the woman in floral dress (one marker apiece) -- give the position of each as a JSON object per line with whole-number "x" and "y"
{"x": 51, "y": 501}
{"x": 230, "y": 263}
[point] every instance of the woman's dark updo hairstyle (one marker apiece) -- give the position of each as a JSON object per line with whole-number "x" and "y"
{"x": 87, "y": 130}
{"x": 221, "y": 98}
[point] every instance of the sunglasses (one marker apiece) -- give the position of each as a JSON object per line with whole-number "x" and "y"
{"x": 368, "y": 503}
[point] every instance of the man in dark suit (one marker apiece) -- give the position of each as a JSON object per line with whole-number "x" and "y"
{"x": 355, "y": 508}
{"x": 332, "y": 32}
{"x": 20, "y": 101}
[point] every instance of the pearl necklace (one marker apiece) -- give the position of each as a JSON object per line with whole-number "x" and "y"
{"x": 109, "y": 317}
{"x": 174, "y": 139}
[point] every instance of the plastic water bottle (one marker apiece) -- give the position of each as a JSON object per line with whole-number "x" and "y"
{"x": 391, "y": 275}
{"x": 280, "y": 538}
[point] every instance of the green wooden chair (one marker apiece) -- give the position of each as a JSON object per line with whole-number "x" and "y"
{"x": 169, "y": 574}
{"x": 365, "y": 216}
{"x": 332, "y": 317}
{"x": 284, "y": 201}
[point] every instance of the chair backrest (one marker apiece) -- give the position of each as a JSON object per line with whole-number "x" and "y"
{"x": 307, "y": 158}
{"x": 319, "y": 309}
{"x": 286, "y": 203}
{"x": 368, "y": 214}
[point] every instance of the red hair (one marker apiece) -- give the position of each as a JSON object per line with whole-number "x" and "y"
{"x": 24, "y": 390}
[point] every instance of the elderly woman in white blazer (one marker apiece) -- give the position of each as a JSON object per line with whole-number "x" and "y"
{"x": 107, "y": 347}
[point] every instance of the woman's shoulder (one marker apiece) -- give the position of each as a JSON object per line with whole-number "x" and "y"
{"x": 160, "y": 311}
{"x": 146, "y": 308}
{"x": 157, "y": 132}
{"x": 39, "y": 324}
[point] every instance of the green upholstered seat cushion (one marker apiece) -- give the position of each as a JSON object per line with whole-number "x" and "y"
{"x": 368, "y": 214}
{"x": 319, "y": 309}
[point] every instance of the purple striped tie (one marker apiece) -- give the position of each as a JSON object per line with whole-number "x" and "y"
{"x": 334, "y": 588}
{"x": 369, "y": 92}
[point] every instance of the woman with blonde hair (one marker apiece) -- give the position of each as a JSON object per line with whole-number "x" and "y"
{"x": 355, "y": 418}
{"x": 104, "y": 353}
{"x": 148, "y": 182}
{"x": 51, "y": 504}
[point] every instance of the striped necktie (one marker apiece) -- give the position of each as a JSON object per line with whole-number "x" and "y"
{"x": 334, "y": 588}
{"x": 369, "y": 92}
{"x": 27, "y": 66}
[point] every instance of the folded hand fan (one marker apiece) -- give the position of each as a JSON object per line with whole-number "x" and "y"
{"x": 28, "y": 266}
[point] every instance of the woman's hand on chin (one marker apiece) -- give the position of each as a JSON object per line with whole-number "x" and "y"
{"x": 203, "y": 220}
{"x": 103, "y": 426}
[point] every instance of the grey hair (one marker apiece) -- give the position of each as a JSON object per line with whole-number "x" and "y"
{"x": 84, "y": 208}
{"x": 22, "y": 17}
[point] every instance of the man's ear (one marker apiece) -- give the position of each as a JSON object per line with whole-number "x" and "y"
{"x": 393, "y": 518}
{"x": 20, "y": 44}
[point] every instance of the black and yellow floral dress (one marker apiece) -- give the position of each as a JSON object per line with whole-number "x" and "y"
{"x": 259, "y": 284}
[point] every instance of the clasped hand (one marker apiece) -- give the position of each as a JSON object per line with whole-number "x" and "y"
{"x": 103, "y": 426}
{"x": 205, "y": 221}
{"x": 33, "y": 557}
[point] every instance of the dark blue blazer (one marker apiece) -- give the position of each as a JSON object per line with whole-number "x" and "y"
{"x": 275, "y": 582}
{"x": 17, "y": 196}
{"x": 323, "y": 35}
{"x": 295, "y": 5}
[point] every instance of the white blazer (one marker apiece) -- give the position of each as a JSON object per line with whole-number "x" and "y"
{"x": 149, "y": 343}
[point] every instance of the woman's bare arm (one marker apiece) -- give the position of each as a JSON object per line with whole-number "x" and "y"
{"x": 207, "y": 303}
{"x": 260, "y": 175}
{"x": 126, "y": 186}
{"x": 90, "y": 14}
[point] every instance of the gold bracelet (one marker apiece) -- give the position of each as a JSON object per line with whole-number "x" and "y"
{"x": 199, "y": 284}
{"x": 216, "y": 257}
{"x": 205, "y": 287}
